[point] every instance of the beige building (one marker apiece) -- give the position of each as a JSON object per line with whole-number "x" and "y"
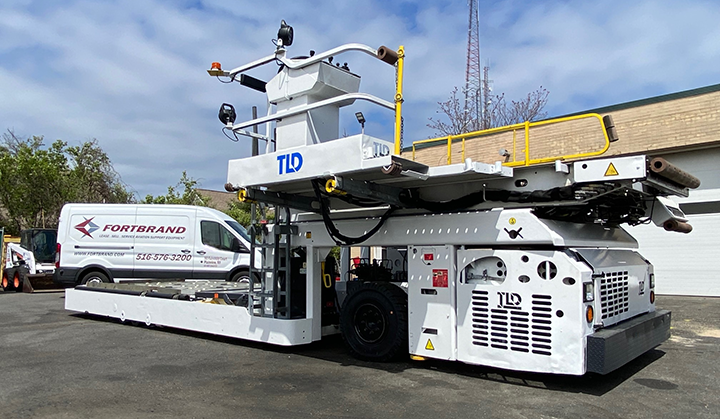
{"x": 682, "y": 127}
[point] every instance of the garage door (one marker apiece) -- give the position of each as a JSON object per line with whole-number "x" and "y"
{"x": 685, "y": 264}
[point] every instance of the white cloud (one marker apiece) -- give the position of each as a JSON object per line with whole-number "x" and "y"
{"x": 132, "y": 74}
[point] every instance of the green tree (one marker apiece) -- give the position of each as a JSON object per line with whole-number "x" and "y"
{"x": 185, "y": 192}
{"x": 36, "y": 181}
{"x": 189, "y": 195}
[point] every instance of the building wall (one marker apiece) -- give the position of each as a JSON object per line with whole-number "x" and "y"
{"x": 680, "y": 121}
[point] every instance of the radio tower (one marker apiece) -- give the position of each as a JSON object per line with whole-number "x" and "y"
{"x": 472, "y": 70}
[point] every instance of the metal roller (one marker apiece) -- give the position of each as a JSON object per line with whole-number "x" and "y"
{"x": 610, "y": 128}
{"x": 387, "y": 55}
{"x": 679, "y": 226}
{"x": 663, "y": 168}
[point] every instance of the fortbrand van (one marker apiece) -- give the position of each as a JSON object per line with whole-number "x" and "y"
{"x": 126, "y": 242}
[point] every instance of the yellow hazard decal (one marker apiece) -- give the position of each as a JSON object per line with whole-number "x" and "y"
{"x": 611, "y": 171}
{"x": 429, "y": 346}
{"x": 512, "y": 221}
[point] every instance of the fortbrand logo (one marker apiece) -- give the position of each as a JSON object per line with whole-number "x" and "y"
{"x": 87, "y": 227}
{"x": 289, "y": 163}
{"x": 134, "y": 228}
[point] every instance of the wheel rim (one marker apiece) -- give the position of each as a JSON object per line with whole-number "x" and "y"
{"x": 4, "y": 281}
{"x": 369, "y": 323}
{"x": 242, "y": 279}
{"x": 94, "y": 280}
{"x": 16, "y": 281}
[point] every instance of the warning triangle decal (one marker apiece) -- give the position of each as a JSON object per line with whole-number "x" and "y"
{"x": 429, "y": 346}
{"x": 611, "y": 171}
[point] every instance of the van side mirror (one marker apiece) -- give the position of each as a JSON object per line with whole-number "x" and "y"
{"x": 236, "y": 245}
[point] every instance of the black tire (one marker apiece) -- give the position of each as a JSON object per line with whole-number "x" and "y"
{"x": 7, "y": 279}
{"x": 21, "y": 278}
{"x": 374, "y": 322}
{"x": 94, "y": 277}
{"x": 242, "y": 276}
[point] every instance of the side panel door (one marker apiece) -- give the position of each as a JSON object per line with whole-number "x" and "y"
{"x": 163, "y": 243}
{"x": 98, "y": 235}
{"x": 212, "y": 256}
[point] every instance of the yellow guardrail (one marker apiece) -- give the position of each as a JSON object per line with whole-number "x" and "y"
{"x": 525, "y": 126}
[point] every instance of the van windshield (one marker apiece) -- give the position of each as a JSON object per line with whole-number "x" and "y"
{"x": 239, "y": 228}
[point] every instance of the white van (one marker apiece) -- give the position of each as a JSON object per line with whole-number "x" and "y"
{"x": 127, "y": 242}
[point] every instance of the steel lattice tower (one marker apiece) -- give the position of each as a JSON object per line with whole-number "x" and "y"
{"x": 472, "y": 69}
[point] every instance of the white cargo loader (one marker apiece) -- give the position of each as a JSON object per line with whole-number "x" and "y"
{"x": 127, "y": 242}
{"x": 521, "y": 265}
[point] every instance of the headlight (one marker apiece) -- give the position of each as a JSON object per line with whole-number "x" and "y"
{"x": 588, "y": 292}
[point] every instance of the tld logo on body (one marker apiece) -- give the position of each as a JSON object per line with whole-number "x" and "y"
{"x": 380, "y": 150}
{"x": 289, "y": 163}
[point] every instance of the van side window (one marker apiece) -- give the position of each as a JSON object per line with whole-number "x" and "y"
{"x": 216, "y": 235}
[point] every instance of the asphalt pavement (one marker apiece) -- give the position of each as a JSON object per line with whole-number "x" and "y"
{"x": 58, "y": 364}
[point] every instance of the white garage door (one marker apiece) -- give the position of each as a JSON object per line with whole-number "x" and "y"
{"x": 686, "y": 264}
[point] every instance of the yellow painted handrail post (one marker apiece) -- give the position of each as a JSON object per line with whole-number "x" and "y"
{"x": 399, "y": 100}
{"x": 463, "y": 149}
{"x": 449, "y": 158}
{"x": 527, "y": 143}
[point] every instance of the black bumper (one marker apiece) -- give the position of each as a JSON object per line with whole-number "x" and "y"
{"x": 65, "y": 276}
{"x": 609, "y": 349}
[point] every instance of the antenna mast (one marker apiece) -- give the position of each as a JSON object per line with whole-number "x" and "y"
{"x": 472, "y": 69}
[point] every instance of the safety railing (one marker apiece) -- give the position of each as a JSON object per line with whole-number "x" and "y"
{"x": 525, "y": 128}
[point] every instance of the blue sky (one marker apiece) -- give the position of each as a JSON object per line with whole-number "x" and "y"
{"x": 132, "y": 73}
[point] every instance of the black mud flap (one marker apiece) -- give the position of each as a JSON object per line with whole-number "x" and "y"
{"x": 611, "y": 348}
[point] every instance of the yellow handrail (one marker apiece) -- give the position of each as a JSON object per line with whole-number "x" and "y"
{"x": 526, "y": 127}
{"x": 399, "y": 99}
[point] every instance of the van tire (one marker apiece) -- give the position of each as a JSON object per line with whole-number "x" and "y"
{"x": 94, "y": 277}
{"x": 242, "y": 276}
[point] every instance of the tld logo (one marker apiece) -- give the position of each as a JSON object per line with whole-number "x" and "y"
{"x": 509, "y": 300}
{"x": 380, "y": 149}
{"x": 289, "y": 163}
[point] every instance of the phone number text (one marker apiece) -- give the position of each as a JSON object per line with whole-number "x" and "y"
{"x": 163, "y": 256}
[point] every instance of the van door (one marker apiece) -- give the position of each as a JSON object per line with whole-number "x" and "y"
{"x": 214, "y": 256}
{"x": 164, "y": 238}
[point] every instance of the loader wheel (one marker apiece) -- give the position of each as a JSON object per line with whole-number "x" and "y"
{"x": 5, "y": 282}
{"x": 94, "y": 277}
{"x": 17, "y": 282}
{"x": 373, "y": 322}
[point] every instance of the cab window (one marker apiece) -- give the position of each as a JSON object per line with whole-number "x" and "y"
{"x": 216, "y": 235}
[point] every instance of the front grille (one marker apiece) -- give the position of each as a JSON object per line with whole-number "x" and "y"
{"x": 541, "y": 324}
{"x": 509, "y": 329}
{"x": 613, "y": 293}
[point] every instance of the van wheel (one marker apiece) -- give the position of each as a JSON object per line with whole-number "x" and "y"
{"x": 241, "y": 276}
{"x": 94, "y": 277}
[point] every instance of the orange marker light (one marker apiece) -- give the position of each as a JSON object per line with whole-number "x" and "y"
{"x": 590, "y": 314}
{"x": 215, "y": 69}
{"x": 652, "y": 297}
